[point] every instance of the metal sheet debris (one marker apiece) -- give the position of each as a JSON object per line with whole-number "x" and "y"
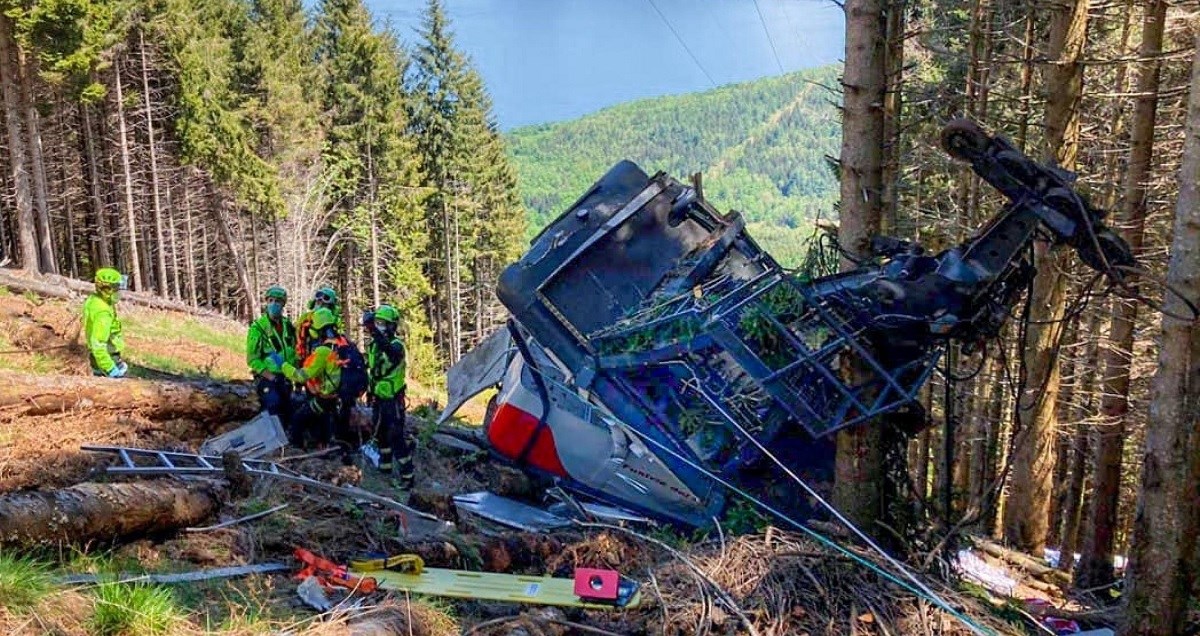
{"x": 257, "y": 438}
{"x": 182, "y": 577}
{"x": 505, "y": 511}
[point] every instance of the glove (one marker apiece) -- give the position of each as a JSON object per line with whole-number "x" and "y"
{"x": 275, "y": 359}
{"x": 368, "y": 318}
{"x": 118, "y": 370}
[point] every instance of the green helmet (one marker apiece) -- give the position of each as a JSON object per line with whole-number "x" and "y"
{"x": 322, "y": 318}
{"x": 276, "y": 292}
{"x": 387, "y": 313}
{"x": 109, "y": 277}
{"x": 327, "y": 296}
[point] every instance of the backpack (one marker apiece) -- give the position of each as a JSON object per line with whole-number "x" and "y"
{"x": 354, "y": 370}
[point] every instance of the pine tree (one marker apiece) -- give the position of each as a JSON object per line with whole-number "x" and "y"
{"x": 473, "y": 214}
{"x": 372, "y": 162}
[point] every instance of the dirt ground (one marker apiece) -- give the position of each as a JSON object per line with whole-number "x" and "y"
{"x": 767, "y": 583}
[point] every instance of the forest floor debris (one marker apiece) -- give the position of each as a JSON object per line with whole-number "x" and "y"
{"x": 779, "y": 583}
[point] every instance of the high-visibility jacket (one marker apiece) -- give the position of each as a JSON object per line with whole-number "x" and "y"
{"x": 266, "y": 337}
{"x": 320, "y": 372}
{"x": 386, "y": 365}
{"x": 304, "y": 346}
{"x": 102, "y": 332}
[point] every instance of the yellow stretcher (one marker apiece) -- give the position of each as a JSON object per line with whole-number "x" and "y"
{"x": 408, "y": 573}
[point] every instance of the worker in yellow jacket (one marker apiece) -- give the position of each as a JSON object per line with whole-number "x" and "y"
{"x": 102, "y": 328}
{"x": 321, "y": 374}
{"x": 271, "y": 333}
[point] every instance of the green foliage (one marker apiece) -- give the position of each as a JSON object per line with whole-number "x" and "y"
{"x": 136, "y": 609}
{"x": 743, "y": 517}
{"x": 23, "y": 582}
{"x": 761, "y": 146}
{"x": 70, "y": 38}
{"x": 212, "y": 123}
{"x": 473, "y": 216}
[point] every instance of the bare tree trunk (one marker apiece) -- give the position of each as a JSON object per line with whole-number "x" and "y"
{"x": 160, "y": 260}
{"x": 218, "y": 208}
{"x": 1026, "y": 520}
{"x": 189, "y": 243}
{"x": 135, "y": 265}
{"x": 1160, "y": 578}
{"x": 257, "y": 281}
{"x": 1080, "y": 447}
{"x": 1096, "y": 560}
{"x": 860, "y": 474}
{"x": 9, "y": 73}
{"x": 37, "y": 165}
{"x": 206, "y": 263}
{"x": 1073, "y": 502}
{"x": 173, "y": 243}
{"x": 98, "y": 230}
{"x": 1026, "y": 107}
{"x": 892, "y": 109}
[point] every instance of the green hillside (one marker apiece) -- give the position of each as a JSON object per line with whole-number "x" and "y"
{"x": 761, "y": 146}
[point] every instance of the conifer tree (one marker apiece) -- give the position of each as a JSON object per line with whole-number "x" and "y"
{"x": 373, "y": 168}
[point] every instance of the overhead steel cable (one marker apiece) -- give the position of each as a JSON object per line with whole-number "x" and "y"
{"x": 679, "y": 38}
{"x": 762, "y": 20}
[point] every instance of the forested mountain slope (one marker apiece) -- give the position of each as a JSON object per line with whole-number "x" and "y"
{"x": 761, "y": 146}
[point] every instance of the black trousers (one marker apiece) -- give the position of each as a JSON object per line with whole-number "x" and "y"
{"x": 316, "y": 418}
{"x": 395, "y": 453}
{"x": 275, "y": 396}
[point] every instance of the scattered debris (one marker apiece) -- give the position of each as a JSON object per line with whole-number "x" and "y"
{"x": 508, "y": 512}
{"x": 1025, "y": 562}
{"x": 257, "y": 438}
{"x": 234, "y": 522}
{"x": 136, "y": 461}
{"x": 313, "y": 594}
{"x": 166, "y": 579}
{"x": 973, "y": 568}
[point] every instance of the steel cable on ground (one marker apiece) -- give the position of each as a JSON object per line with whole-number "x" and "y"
{"x": 916, "y": 587}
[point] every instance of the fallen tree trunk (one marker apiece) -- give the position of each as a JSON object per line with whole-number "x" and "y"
{"x": 55, "y": 286}
{"x": 156, "y": 399}
{"x": 1025, "y": 562}
{"x": 102, "y": 512}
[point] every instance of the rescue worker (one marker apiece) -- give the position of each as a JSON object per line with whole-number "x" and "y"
{"x": 102, "y": 328}
{"x": 272, "y": 332}
{"x": 386, "y": 366}
{"x": 324, "y": 297}
{"x": 321, "y": 375}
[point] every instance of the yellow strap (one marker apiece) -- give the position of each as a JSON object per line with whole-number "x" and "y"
{"x": 406, "y": 563}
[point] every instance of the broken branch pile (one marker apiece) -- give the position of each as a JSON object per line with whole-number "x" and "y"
{"x": 32, "y": 395}
{"x": 787, "y": 584}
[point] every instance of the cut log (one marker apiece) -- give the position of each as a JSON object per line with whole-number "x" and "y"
{"x": 1025, "y": 562}
{"x": 54, "y": 286}
{"x": 156, "y": 399}
{"x": 92, "y": 512}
